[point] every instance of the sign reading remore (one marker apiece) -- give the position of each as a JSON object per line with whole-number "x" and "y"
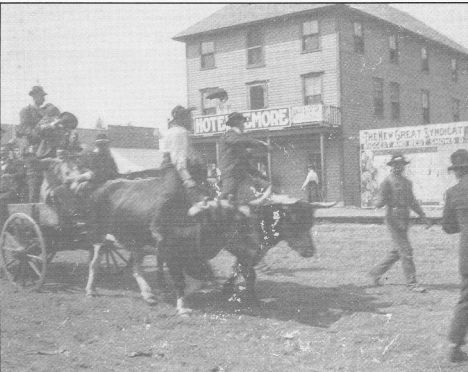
{"x": 270, "y": 119}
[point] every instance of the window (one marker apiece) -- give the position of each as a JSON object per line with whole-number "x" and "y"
{"x": 208, "y": 105}
{"x": 424, "y": 59}
{"x": 254, "y": 48}
{"x": 395, "y": 101}
{"x": 456, "y": 109}
{"x": 394, "y": 52}
{"x": 425, "y": 107}
{"x": 258, "y": 97}
{"x": 454, "y": 66}
{"x": 312, "y": 89}
{"x": 207, "y": 55}
{"x": 358, "y": 38}
{"x": 310, "y": 36}
{"x": 378, "y": 97}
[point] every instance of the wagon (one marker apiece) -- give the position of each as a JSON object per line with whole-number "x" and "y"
{"x": 33, "y": 234}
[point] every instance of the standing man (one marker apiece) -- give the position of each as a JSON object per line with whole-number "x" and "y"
{"x": 396, "y": 192}
{"x": 455, "y": 220}
{"x": 311, "y": 185}
{"x": 29, "y": 140}
{"x": 234, "y": 157}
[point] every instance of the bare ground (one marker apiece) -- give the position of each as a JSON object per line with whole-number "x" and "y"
{"x": 318, "y": 314}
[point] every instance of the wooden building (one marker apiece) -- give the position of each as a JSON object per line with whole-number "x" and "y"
{"x": 309, "y": 77}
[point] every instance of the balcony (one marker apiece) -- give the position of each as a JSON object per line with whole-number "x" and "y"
{"x": 319, "y": 115}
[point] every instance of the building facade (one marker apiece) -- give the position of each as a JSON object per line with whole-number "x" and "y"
{"x": 309, "y": 77}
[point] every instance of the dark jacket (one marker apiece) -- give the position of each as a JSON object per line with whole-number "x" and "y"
{"x": 102, "y": 166}
{"x": 234, "y": 157}
{"x": 455, "y": 218}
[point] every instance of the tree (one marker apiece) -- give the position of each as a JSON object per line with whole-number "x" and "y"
{"x": 99, "y": 124}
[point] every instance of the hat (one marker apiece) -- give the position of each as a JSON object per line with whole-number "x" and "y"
{"x": 101, "y": 138}
{"x": 459, "y": 159}
{"x": 69, "y": 120}
{"x": 235, "y": 119}
{"x": 37, "y": 90}
{"x": 398, "y": 158}
{"x": 180, "y": 111}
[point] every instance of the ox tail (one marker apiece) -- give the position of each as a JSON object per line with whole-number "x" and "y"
{"x": 323, "y": 204}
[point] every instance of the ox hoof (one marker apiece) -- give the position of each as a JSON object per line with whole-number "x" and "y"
{"x": 91, "y": 294}
{"x": 185, "y": 312}
{"x": 150, "y": 299}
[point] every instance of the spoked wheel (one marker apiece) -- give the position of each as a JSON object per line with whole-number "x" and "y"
{"x": 23, "y": 252}
{"x": 114, "y": 259}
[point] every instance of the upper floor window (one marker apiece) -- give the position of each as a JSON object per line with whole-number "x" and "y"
{"x": 424, "y": 59}
{"x": 358, "y": 37}
{"x": 254, "y": 48}
{"x": 378, "y": 93}
{"x": 456, "y": 109}
{"x": 207, "y": 54}
{"x": 310, "y": 36}
{"x": 312, "y": 89}
{"x": 208, "y": 105}
{"x": 258, "y": 96}
{"x": 454, "y": 69}
{"x": 395, "y": 101}
{"x": 394, "y": 52}
{"x": 426, "y": 113}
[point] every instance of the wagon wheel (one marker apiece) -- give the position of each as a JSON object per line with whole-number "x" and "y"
{"x": 23, "y": 252}
{"x": 114, "y": 259}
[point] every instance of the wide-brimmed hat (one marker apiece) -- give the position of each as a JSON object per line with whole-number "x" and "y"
{"x": 235, "y": 118}
{"x": 102, "y": 138}
{"x": 459, "y": 159}
{"x": 37, "y": 90}
{"x": 69, "y": 120}
{"x": 398, "y": 158}
{"x": 180, "y": 111}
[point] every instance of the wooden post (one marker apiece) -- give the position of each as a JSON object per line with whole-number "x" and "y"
{"x": 269, "y": 156}
{"x": 322, "y": 166}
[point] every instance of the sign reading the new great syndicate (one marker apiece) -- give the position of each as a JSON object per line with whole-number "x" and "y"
{"x": 270, "y": 119}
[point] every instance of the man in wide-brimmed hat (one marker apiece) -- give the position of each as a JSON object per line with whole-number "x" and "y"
{"x": 235, "y": 153}
{"x": 455, "y": 220}
{"x": 178, "y": 182}
{"x": 396, "y": 192}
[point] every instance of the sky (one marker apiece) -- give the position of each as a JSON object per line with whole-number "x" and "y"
{"x": 118, "y": 62}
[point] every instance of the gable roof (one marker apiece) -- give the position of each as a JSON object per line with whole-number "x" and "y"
{"x": 242, "y": 14}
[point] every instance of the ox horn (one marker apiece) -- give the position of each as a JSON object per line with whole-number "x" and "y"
{"x": 261, "y": 200}
{"x": 323, "y": 205}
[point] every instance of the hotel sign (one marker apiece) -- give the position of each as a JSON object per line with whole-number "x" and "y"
{"x": 269, "y": 119}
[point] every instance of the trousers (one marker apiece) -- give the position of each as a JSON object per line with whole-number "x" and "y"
{"x": 459, "y": 325}
{"x": 402, "y": 250}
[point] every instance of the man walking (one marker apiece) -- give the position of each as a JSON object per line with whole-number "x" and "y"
{"x": 311, "y": 185}
{"x": 455, "y": 220}
{"x": 396, "y": 192}
{"x": 234, "y": 157}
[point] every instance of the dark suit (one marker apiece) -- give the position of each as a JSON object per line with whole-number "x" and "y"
{"x": 455, "y": 220}
{"x": 234, "y": 162}
{"x": 396, "y": 192}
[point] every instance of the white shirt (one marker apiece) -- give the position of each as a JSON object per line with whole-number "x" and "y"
{"x": 311, "y": 177}
{"x": 176, "y": 142}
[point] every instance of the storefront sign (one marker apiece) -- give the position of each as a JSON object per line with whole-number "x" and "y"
{"x": 427, "y": 147}
{"x": 418, "y": 136}
{"x": 306, "y": 114}
{"x": 270, "y": 119}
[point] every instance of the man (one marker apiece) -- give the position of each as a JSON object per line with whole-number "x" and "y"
{"x": 311, "y": 185}
{"x": 455, "y": 220}
{"x": 235, "y": 152}
{"x": 98, "y": 166}
{"x": 29, "y": 140}
{"x": 177, "y": 180}
{"x": 396, "y": 192}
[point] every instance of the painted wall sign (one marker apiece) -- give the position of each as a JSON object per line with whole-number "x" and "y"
{"x": 270, "y": 119}
{"x": 306, "y": 114}
{"x": 427, "y": 147}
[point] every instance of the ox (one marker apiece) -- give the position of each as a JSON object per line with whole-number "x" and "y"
{"x": 124, "y": 209}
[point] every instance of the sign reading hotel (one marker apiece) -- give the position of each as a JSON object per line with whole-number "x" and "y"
{"x": 270, "y": 119}
{"x": 427, "y": 147}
